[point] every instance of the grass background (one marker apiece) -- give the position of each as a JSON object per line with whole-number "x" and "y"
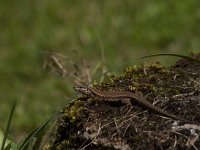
{"x": 80, "y": 31}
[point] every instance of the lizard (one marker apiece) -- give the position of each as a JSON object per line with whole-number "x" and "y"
{"x": 113, "y": 95}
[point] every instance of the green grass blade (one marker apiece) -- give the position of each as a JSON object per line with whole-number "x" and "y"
{"x": 25, "y": 144}
{"x": 32, "y": 144}
{"x": 14, "y": 146}
{"x": 11, "y": 146}
{"x": 8, "y": 126}
{"x": 8, "y": 147}
{"x": 176, "y": 55}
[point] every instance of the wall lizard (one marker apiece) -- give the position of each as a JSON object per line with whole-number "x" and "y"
{"x": 113, "y": 95}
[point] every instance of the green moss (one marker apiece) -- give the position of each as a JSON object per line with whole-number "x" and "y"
{"x": 145, "y": 77}
{"x": 73, "y": 111}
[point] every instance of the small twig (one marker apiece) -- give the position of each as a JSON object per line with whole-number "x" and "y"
{"x": 56, "y": 61}
{"x": 175, "y": 141}
{"x": 183, "y": 95}
{"x": 116, "y": 126}
{"x": 98, "y": 132}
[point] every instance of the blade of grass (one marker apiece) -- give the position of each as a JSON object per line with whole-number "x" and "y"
{"x": 32, "y": 144}
{"x": 11, "y": 146}
{"x": 176, "y": 55}
{"x": 34, "y": 133}
{"x": 8, "y": 147}
{"x": 8, "y": 125}
{"x": 14, "y": 146}
{"x": 104, "y": 67}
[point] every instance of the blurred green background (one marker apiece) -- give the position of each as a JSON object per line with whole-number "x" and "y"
{"x": 79, "y": 31}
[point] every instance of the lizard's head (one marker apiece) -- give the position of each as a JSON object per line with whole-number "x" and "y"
{"x": 84, "y": 90}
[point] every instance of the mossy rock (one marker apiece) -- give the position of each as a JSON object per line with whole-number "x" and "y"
{"x": 90, "y": 123}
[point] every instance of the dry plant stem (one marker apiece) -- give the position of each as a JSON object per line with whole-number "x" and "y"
{"x": 98, "y": 132}
{"x": 113, "y": 95}
{"x": 58, "y": 64}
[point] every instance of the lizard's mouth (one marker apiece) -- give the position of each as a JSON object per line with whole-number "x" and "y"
{"x": 78, "y": 88}
{"x": 82, "y": 89}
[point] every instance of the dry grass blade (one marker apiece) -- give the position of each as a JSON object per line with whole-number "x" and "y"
{"x": 176, "y": 55}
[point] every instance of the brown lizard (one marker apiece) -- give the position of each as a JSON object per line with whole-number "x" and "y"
{"x": 113, "y": 95}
